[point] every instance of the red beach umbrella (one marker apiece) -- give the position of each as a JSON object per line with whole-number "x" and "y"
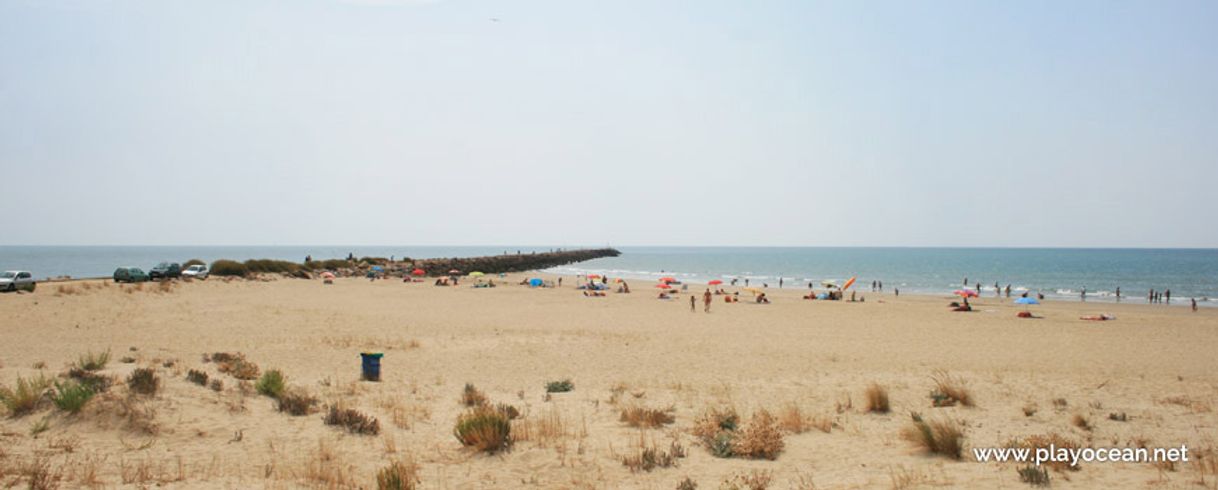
{"x": 663, "y": 285}
{"x": 594, "y": 276}
{"x": 418, "y": 272}
{"x": 715, "y": 282}
{"x": 965, "y": 293}
{"x": 667, "y": 280}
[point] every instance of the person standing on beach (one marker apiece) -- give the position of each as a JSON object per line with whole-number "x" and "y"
{"x": 1084, "y": 293}
{"x": 693, "y": 303}
{"x": 746, "y": 282}
{"x": 560, "y": 281}
{"x": 706, "y": 300}
{"x": 1150, "y": 297}
{"x": 997, "y": 291}
{"x": 1008, "y": 290}
{"x": 896, "y": 291}
{"x": 780, "y": 282}
{"x": 873, "y": 286}
{"x": 1167, "y": 294}
{"x": 1194, "y": 304}
{"x": 1118, "y": 293}
{"x": 966, "y": 282}
{"x": 881, "y": 286}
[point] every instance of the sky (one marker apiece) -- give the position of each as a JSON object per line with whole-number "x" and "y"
{"x": 415, "y": 122}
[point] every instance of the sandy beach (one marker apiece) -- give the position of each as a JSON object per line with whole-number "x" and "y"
{"x": 808, "y": 363}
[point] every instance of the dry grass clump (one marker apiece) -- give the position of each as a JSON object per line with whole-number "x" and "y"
{"x": 39, "y": 475}
{"x": 352, "y": 420}
{"x": 509, "y": 411}
{"x": 877, "y": 399}
{"x": 1037, "y": 476}
{"x": 647, "y": 418}
{"x": 755, "y": 480}
{"x": 26, "y": 396}
{"x": 648, "y": 457}
{"x": 296, "y": 402}
{"x": 945, "y": 437}
{"x": 399, "y": 475}
{"x": 687, "y": 484}
{"x": 272, "y": 384}
{"x": 760, "y": 439}
{"x": 143, "y": 381}
{"x": 484, "y": 429}
{"x": 472, "y": 397}
{"x": 949, "y": 390}
{"x": 197, "y": 377}
{"x": 1044, "y": 441}
{"x": 235, "y": 365}
{"x": 91, "y": 361}
{"x": 793, "y": 420}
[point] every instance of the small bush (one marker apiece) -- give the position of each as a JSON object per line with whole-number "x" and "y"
{"x": 296, "y": 402}
{"x": 949, "y": 390}
{"x": 225, "y": 267}
{"x": 143, "y": 381}
{"x": 216, "y": 385}
{"x": 235, "y": 365}
{"x": 1081, "y": 422}
{"x": 352, "y": 420}
{"x": 761, "y": 439}
{"x": 1037, "y": 476}
{"x": 877, "y": 399}
{"x": 943, "y": 437}
{"x": 398, "y": 476}
{"x": 560, "y": 386}
{"x": 646, "y": 417}
{"x": 270, "y": 266}
{"x": 191, "y": 262}
{"x": 26, "y": 397}
{"x": 471, "y": 397}
{"x": 484, "y": 430}
{"x": 197, "y": 377}
{"x": 271, "y": 383}
{"x": 723, "y": 444}
{"x": 713, "y": 421}
{"x": 93, "y": 361}
{"x": 71, "y": 396}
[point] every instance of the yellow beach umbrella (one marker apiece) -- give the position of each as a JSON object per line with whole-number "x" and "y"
{"x": 476, "y": 274}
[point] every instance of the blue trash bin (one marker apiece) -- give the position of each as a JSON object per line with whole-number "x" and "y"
{"x": 371, "y": 365}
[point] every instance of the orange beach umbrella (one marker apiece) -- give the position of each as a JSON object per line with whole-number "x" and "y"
{"x": 715, "y": 282}
{"x": 668, "y": 279}
{"x": 663, "y": 285}
{"x": 848, "y": 284}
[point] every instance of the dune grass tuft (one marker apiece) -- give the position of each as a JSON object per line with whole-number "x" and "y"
{"x": 877, "y": 399}
{"x": 648, "y": 457}
{"x": 483, "y": 429}
{"x": 143, "y": 381}
{"x": 26, "y": 396}
{"x": 399, "y": 475}
{"x": 70, "y": 396}
{"x": 944, "y": 437}
{"x": 560, "y": 386}
{"x": 1037, "y": 476}
{"x": 949, "y": 391}
{"x": 296, "y": 402}
{"x": 647, "y": 418}
{"x": 472, "y": 397}
{"x": 197, "y": 377}
{"x": 93, "y": 361}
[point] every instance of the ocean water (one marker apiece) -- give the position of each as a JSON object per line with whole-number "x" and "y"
{"x": 1058, "y": 273}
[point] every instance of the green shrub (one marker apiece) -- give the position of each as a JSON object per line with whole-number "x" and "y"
{"x": 225, "y": 267}
{"x": 944, "y": 437}
{"x": 93, "y": 361}
{"x": 271, "y": 383}
{"x": 330, "y": 264}
{"x": 560, "y": 386}
{"x": 26, "y": 396}
{"x": 143, "y": 381}
{"x": 484, "y": 429}
{"x": 351, "y": 419}
{"x": 71, "y": 396}
{"x": 270, "y": 266}
{"x": 1037, "y": 476}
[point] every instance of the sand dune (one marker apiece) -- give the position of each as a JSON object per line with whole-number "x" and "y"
{"x": 1154, "y": 364}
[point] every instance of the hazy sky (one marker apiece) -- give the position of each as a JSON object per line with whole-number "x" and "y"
{"x": 577, "y": 122}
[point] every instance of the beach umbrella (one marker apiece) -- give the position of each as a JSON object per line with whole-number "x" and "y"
{"x": 1027, "y": 301}
{"x": 965, "y": 293}
{"x": 535, "y": 282}
{"x": 848, "y": 284}
{"x": 668, "y": 279}
{"x": 594, "y": 276}
{"x": 476, "y": 274}
{"x": 663, "y": 285}
{"x": 378, "y": 268}
{"x": 715, "y": 282}
{"x": 418, "y": 272}
{"x": 618, "y": 280}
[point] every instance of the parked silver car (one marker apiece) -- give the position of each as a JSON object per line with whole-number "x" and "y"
{"x": 14, "y": 280}
{"x": 196, "y": 271}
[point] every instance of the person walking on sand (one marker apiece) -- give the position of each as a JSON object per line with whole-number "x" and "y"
{"x": 693, "y": 303}
{"x": 706, "y": 300}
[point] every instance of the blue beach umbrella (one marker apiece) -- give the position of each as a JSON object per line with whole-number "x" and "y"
{"x": 378, "y": 268}
{"x": 1027, "y": 301}
{"x": 534, "y": 282}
